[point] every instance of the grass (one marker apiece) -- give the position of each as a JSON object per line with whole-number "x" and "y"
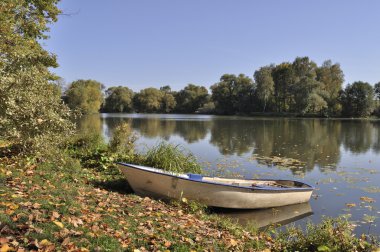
{"x": 69, "y": 206}
{"x": 171, "y": 158}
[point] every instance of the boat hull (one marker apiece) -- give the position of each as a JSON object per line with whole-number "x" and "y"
{"x": 166, "y": 186}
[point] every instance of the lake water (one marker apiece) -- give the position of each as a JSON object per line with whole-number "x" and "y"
{"x": 341, "y": 158}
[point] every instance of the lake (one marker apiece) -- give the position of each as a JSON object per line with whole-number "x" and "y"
{"x": 341, "y": 158}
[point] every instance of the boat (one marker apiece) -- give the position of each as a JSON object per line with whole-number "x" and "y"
{"x": 215, "y": 191}
{"x": 262, "y": 218}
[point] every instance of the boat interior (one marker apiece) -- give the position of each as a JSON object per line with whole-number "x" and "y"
{"x": 257, "y": 183}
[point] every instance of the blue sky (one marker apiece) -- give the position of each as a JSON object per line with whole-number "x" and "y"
{"x": 151, "y": 43}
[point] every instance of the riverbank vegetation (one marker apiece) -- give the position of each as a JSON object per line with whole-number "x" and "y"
{"x": 298, "y": 88}
{"x": 83, "y": 203}
{"x": 60, "y": 190}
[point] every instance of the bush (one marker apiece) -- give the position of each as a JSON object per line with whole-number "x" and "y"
{"x": 93, "y": 152}
{"x": 171, "y": 158}
{"x": 123, "y": 140}
{"x": 329, "y": 235}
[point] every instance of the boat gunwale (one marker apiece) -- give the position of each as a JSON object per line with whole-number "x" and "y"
{"x": 251, "y": 188}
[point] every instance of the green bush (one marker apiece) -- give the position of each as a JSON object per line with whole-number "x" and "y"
{"x": 123, "y": 140}
{"x": 329, "y": 235}
{"x": 171, "y": 158}
{"x": 93, "y": 152}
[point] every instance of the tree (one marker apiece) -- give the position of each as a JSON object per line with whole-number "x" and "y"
{"x": 377, "y": 90}
{"x": 168, "y": 101}
{"x": 118, "y": 99}
{"x": 85, "y": 95}
{"x": 283, "y": 77}
{"x": 191, "y": 98}
{"x": 331, "y": 76}
{"x": 148, "y": 100}
{"x": 264, "y": 85}
{"x": 233, "y": 94}
{"x": 357, "y": 99}
{"x": 308, "y": 96}
{"x": 304, "y": 67}
{"x": 31, "y": 112}
{"x": 306, "y": 90}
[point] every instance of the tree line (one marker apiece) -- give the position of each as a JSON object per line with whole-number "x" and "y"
{"x": 300, "y": 87}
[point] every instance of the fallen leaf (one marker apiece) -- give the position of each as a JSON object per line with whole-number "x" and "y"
{"x": 59, "y": 224}
{"x": 45, "y": 243}
{"x": 5, "y": 248}
{"x": 55, "y": 215}
{"x": 367, "y": 199}
{"x": 233, "y": 242}
{"x": 167, "y": 244}
{"x": 350, "y": 205}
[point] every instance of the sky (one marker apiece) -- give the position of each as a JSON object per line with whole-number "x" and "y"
{"x": 152, "y": 43}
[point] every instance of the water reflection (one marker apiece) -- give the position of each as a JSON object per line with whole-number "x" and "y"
{"x": 90, "y": 123}
{"x": 316, "y": 142}
{"x": 358, "y": 136}
{"x": 262, "y": 218}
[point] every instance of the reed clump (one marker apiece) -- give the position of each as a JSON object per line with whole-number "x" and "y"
{"x": 172, "y": 158}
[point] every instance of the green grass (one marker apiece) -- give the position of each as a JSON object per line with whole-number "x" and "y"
{"x": 114, "y": 219}
{"x": 171, "y": 158}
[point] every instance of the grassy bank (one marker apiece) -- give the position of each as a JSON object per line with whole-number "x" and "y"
{"x": 82, "y": 203}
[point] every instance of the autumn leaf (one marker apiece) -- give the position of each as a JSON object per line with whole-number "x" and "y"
{"x": 55, "y": 215}
{"x": 367, "y": 199}
{"x": 5, "y": 248}
{"x": 233, "y": 243}
{"x": 59, "y": 224}
{"x": 350, "y": 205}
{"x": 45, "y": 243}
{"x": 167, "y": 244}
{"x": 184, "y": 200}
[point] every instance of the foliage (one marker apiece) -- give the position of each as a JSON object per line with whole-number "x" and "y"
{"x": 79, "y": 209}
{"x": 168, "y": 103}
{"x": 377, "y": 90}
{"x": 357, "y": 99}
{"x": 300, "y": 87}
{"x": 30, "y": 109}
{"x": 171, "y": 158}
{"x": 329, "y": 235}
{"x": 85, "y": 96}
{"x": 331, "y": 76}
{"x": 93, "y": 152}
{"x": 153, "y": 100}
{"x": 123, "y": 140}
{"x": 191, "y": 98}
{"x": 90, "y": 149}
{"x": 233, "y": 94}
{"x": 264, "y": 85}
{"x": 118, "y": 99}
{"x": 207, "y": 108}
{"x": 283, "y": 77}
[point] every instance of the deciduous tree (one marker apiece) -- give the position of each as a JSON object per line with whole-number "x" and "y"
{"x": 358, "y": 99}
{"x": 233, "y": 94}
{"x": 118, "y": 99}
{"x": 264, "y": 85}
{"x": 191, "y": 98}
{"x": 31, "y": 113}
{"x": 331, "y": 76}
{"x": 85, "y": 96}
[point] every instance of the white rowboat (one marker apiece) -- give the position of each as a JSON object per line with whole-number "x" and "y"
{"x": 213, "y": 191}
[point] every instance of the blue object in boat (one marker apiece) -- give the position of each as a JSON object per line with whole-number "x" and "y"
{"x": 195, "y": 176}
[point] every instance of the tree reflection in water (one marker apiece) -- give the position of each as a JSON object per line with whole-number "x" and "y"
{"x": 315, "y": 142}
